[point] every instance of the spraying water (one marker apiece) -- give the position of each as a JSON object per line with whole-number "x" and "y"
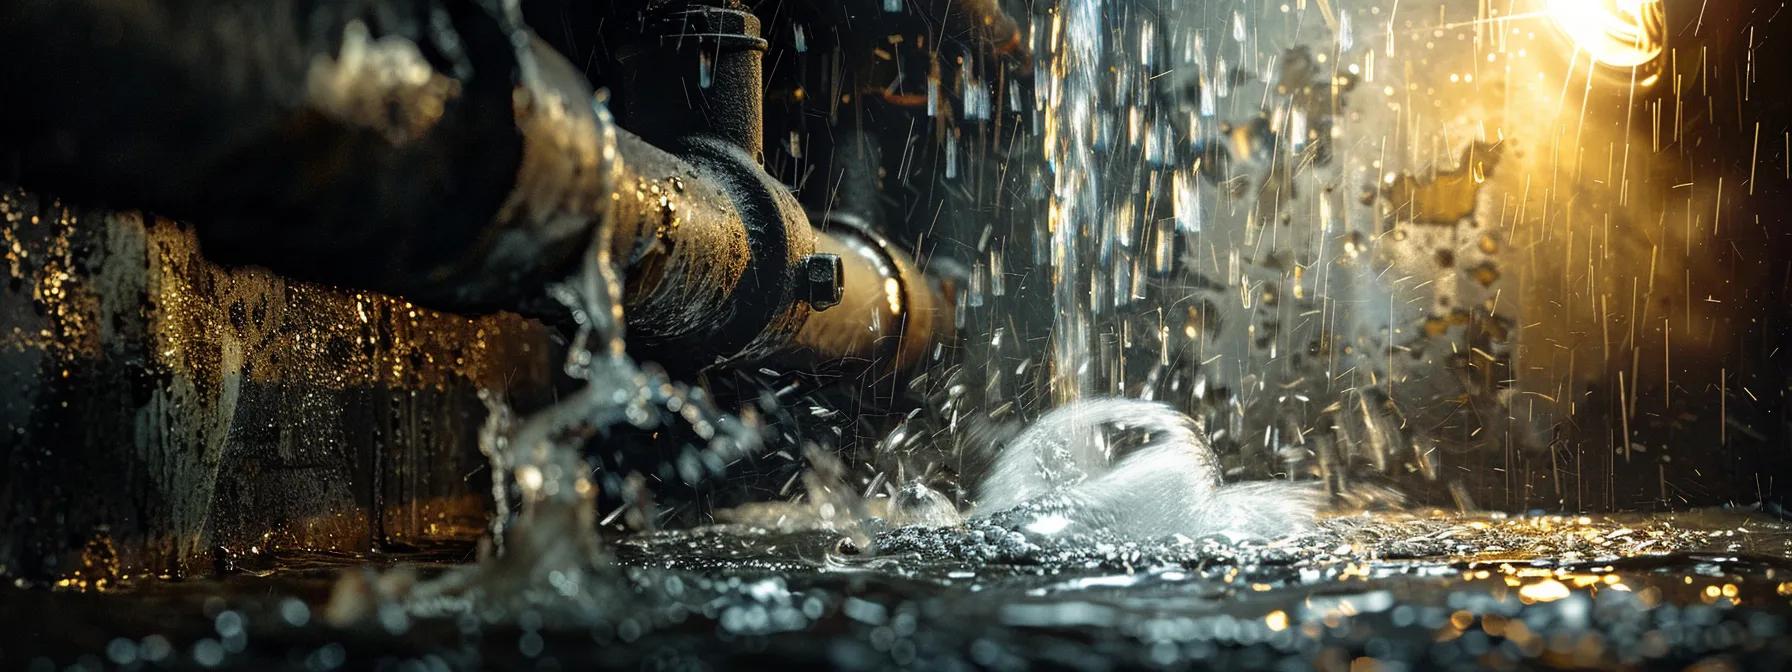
{"x": 1075, "y": 120}
{"x": 548, "y": 554}
{"x": 1072, "y": 472}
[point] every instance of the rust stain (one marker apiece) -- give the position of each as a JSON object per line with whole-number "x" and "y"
{"x": 1446, "y": 198}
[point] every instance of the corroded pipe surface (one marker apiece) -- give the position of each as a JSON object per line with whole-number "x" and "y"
{"x": 682, "y": 244}
{"x": 699, "y": 289}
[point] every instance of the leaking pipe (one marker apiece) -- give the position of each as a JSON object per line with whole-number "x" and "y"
{"x": 431, "y": 149}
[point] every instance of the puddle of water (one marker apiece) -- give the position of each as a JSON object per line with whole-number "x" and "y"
{"x": 1428, "y": 589}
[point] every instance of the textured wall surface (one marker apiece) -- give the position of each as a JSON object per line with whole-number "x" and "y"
{"x": 162, "y": 414}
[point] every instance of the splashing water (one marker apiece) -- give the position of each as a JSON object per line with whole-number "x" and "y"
{"x": 548, "y": 554}
{"x": 1071, "y": 472}
{"x": 1202, "y": 250}
{"x": 1129, "y": 244}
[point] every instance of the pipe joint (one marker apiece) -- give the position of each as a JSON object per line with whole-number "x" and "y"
{"x": 766, "y": 310}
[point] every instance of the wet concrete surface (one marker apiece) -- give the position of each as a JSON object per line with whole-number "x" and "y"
{"x": 1711, "y": 590}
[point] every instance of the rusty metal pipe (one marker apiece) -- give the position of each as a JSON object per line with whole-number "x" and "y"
{"x": 890, "y": 321}
{"x": 720, "y": 263}
{"x": 693, "y": 67}
{"x": 680, "y": 240}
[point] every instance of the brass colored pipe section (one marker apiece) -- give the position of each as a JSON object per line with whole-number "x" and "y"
{"x": 889, "y": 320}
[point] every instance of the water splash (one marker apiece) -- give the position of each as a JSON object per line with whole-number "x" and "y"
{"x": 546, "y": 553}
{"x": 1136, "y": 469}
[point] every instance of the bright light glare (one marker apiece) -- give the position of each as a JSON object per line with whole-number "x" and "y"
{"x": 1617, "y": 33}
{"x": 1049, "y": 525}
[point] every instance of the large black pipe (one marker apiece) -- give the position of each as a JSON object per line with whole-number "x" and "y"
{"x": 369, "y": 144}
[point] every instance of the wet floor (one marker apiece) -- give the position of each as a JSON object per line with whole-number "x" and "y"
{"x": 1366, "y": 591}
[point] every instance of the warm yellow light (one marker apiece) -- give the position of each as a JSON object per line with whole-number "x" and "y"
{"x": 1617, "y": 33}
{"x": 1276, "y": 620}
{"x": 1548, "y": 590}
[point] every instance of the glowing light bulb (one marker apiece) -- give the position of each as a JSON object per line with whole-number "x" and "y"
{"x": 1617, "y": 33}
